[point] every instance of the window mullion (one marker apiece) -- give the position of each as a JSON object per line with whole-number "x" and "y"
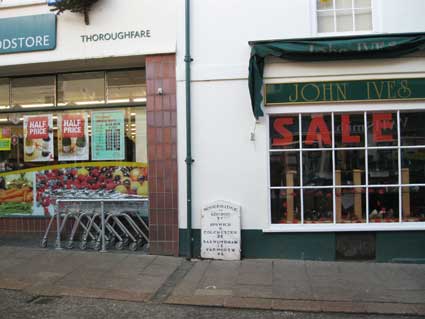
{"x": 334, "y": 14}
{"x": 301, "y": 168}
{"x": 400, "y": 204}
{"x": 366, "y": 167}
{"x": 333, "y": 168}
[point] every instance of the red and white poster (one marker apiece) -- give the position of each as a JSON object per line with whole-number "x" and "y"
{"x": 73, "y": 137}
{"x": 38, "y": 138}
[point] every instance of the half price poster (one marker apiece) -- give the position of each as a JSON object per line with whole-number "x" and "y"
{"x": 108, "y": 142}
{"x": 38, "y": 138}
{"x": 73, "y": 139}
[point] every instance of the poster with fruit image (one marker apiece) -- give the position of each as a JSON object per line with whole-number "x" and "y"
{"x": 16, "y": 194}
{"x": 73, "y": 138}
{"x": 38, "y": 138}
{"x": 122, "y": 178}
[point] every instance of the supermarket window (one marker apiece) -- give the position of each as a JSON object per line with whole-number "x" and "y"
{"x": 4, "y": 93}
{"x": 37, "y": 91}
{"x": 81, "y": 88}
{"x": 344, "y": 16}
{"x": 346, "y": 168}
{"x": 126, "y": 86}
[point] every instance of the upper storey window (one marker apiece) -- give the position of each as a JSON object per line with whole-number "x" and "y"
{"x": 344, "y": 16}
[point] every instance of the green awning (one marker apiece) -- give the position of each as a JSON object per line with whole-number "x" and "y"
{"x": 326, "y": 49}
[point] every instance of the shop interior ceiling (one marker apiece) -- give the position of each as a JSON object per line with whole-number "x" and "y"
{"x": 108, "y": 63}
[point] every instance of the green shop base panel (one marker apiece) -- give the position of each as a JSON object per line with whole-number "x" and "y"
{"x": 401, "y": 246}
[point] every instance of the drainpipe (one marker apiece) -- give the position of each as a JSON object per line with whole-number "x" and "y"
{"x": 189, "y": 160}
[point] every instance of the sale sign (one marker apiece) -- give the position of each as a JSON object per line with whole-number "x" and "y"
{"x": 73, "y": 137}
{"x": 37, "y": 127}
{"x": 38, "y": 138}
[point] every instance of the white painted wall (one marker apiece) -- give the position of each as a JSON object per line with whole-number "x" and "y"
{"x": 227, "y": 164}
{"x": 107, "y": 16}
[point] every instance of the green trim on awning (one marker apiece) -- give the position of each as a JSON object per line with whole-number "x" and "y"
{"x": 326, "y": 49}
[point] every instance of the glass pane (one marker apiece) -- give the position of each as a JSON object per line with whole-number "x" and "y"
{"x": 284, "y": 132}
{"x": 382, "y": 129}
{"x": 344, "y": 4}
{"x": 413, "y": 166}
{"x": 126, "y": 86}
{"x": 325, "y": 21}
{"x": 317, "y": 168}
{"x": 383, "y": 205}
{"x": 350, "y": 167}
{"x": 4, "y": 93}
{"x": 383, "y": 166}
{"x": 362, "y": 3}
{"x": 325, "y": 4}
{"x": 412, "y": 128}
{"x": 350, "y": 205}
{"x": 413, "y": 201}
{"x": 81, "y": 88}
{"x": 36, "y": 91}
{"x": 344, "y": 21}
{"x": 363, "y": 20}
{"x": 285, "y": 204}
{"x": 284, "y": 169}
{"x": 349, "y": 130}
{"x": 316, "y": 130}
{"x": 318, "y": 206}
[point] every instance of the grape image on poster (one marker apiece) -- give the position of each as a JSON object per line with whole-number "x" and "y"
{"x": 108, "y": 142}
{"x": 73, "y": 139}
{"x": 38, "y": 138}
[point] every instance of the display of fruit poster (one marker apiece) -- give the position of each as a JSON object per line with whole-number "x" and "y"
{"x": 73, "y": 138}
{"x": 38, "y": 138}
{"x": 108, "y": 135}
{"x": 110, "y": 180}
{"x": 16, "y": 194}
{"x": 35, "y": 192}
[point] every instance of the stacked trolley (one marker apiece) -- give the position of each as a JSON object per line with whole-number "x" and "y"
{"x": 100, "y": 220}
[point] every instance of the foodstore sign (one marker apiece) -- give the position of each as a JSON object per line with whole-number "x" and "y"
{"x": 28, "y": 33}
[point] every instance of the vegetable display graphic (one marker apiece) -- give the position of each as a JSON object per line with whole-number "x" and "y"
{"x": 16, "y": 194}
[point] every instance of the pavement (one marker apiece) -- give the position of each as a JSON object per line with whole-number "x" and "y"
{"x": 305, "y": 286}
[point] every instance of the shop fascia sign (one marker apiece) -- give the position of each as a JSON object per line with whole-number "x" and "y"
{"x": 28, "y": 33}
{"x": 345, "y": 91}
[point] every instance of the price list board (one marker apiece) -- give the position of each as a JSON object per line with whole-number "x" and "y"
{"x": 108, "y": 141}
{"x": 221, "y": 231}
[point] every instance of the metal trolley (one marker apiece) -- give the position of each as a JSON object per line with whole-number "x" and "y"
{"x": 103, "y": 222}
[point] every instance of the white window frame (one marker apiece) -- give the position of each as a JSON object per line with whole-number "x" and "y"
{"x": 20, "y": 3}
{"x": 375, "y": 5}
{"x": 331, "y": 109}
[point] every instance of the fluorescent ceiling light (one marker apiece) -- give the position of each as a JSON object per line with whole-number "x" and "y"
{"x": 36, "y": 105}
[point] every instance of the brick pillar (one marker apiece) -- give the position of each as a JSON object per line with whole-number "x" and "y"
{"x": 162, "y": 154}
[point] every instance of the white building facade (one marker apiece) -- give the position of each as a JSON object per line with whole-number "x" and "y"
{"x": 316, "y": 178}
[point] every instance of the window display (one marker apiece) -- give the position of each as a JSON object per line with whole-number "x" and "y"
{"x": 361, "y": 167}
{"x": 50, "y": 147}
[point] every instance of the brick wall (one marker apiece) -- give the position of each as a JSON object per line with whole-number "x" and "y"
{"x": 162, "y": 154}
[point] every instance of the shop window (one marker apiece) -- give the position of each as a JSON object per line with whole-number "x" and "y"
{"x": 412, "y": 128}
{"x": 366, "y": 167}
{"x": 81, "y": 88}
{"x": 46, "y": 151}
{"x": 126, "y": 86}
{"x": 38, "y": 91}
{"x": 344, "y": 16}
{"x": 4, "y": 93}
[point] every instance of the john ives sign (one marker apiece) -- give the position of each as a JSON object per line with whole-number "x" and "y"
{"x": 28, "y": 33}
{"x": 345, "y": 91}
